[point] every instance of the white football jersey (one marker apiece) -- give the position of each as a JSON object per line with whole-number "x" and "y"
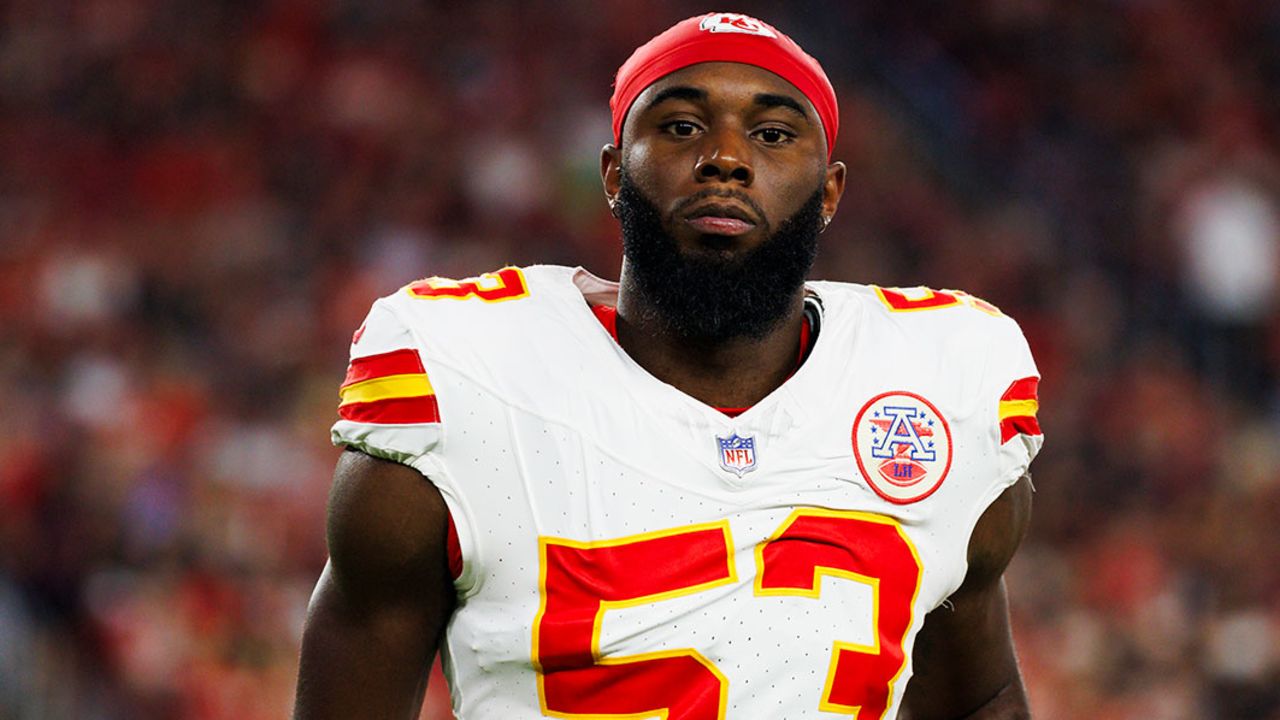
{"x": 630, "y": 551}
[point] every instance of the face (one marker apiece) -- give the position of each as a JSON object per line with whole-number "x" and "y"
{"x": 721, "y": 184}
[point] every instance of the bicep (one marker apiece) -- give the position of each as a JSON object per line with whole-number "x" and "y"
{"x": 377, "y": 613}
{"x": 964, "y": 661}
{"x": 964, "y": 658}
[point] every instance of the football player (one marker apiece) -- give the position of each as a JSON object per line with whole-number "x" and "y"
{"x": 709, "y": 490}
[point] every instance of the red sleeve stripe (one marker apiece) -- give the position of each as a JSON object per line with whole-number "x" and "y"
{"x": 405, "y": 361}
{"x": 1025, "y": 389}
{"x": 1018, "y": 408}
{"x": 391, "y": 388}
{"x": 1020, "y": 425}
{"x": 393, "y": 411}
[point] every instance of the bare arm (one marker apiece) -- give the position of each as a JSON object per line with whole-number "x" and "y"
{"x": 383, "y": 599}
{"x": 964, "y": 661}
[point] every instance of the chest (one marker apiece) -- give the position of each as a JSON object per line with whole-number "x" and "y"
{"x": 689, "y": 587}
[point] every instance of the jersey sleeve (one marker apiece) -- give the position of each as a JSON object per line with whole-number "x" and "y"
{"x": 387, "y": 405}
{"x": 1013, "y": 388}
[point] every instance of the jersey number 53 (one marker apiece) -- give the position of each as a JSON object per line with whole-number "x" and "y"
{"x": 581, "y": 581}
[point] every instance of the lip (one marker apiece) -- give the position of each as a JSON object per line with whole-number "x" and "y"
{"x": 720, "y": 219}
{"x": 713, "y": 225}
{"x": 721, "y": 210}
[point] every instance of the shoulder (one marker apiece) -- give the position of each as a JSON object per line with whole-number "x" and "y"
{"x": 525, "y": 336}
{"x": 509, "y": 286}
{"x": 486, "y": 312}
{"x": 389, "y": 405}
{"x": 910, "y": 304}
{"x": 481, "y": 314}
{"x": 955, "y": 348}
{"x": 945, "y": 321}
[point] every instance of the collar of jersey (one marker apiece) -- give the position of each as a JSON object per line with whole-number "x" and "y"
{"x": 601, "y": 299}
{"x": 608, "y": 317}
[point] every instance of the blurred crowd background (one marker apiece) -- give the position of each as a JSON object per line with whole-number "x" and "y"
{"x": 199, "y": 200}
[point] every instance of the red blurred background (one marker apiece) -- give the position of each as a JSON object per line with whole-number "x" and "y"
{"x": 198, "y": 202}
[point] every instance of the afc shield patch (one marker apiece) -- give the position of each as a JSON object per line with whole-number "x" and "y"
{"x": 902, "y": 445}
{"x": 737, "y": 454}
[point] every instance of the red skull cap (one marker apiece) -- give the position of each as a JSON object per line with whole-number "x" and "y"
{"x": 724, "y": 37}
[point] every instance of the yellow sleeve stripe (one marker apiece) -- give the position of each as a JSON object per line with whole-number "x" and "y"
{"x": 1018, "y": 408}
{"x": 387, "y": 388}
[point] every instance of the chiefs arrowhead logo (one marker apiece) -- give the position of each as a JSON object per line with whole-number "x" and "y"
{"x": 735, "y": 23}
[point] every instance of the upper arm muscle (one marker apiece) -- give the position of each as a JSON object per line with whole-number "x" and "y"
{"x": 963, "y": 657}
{"x": 378, "y": 610}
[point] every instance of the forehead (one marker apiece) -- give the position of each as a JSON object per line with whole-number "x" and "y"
{"x": 725, "y": 82}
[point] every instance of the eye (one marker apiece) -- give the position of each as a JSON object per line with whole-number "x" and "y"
{"x": 774, "y": 136}
{"x": 681, "y": 128}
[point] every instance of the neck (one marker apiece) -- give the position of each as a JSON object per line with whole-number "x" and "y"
{"x": 735, "y": 372}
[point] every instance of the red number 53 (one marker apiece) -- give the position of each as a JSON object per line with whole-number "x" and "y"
{"x": 581, "y": 581}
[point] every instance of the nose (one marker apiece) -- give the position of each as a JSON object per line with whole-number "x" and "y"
{"x": 726, "y": 160}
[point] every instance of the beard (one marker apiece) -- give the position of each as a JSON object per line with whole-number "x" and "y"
{"x": 713, "y": 295}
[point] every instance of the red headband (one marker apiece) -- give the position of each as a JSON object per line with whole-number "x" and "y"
{"x": 724, "y": 37}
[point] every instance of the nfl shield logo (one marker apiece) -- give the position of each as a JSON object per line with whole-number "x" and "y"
{"x": 737, "y": 454}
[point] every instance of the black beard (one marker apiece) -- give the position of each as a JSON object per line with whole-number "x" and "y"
{"x": 713, "y": 296}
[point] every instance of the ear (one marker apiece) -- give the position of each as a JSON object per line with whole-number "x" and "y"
{"x": 610, "y": 172}
{"x": 832, "y": 189}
